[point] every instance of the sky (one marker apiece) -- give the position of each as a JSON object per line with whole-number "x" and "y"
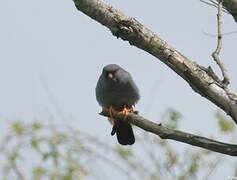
{"x": 52, "y": 55}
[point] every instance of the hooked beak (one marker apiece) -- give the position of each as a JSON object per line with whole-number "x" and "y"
{"x": 110, "y": 75}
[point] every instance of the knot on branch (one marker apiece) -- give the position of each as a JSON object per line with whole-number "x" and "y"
{"x": 127, "y": 30}
{"x": 122, "y": 29}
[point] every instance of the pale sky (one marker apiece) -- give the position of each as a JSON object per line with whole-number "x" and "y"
{"x": 50, "y": 42}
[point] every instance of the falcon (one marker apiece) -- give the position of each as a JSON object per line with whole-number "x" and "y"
{"x": 116, "y": 90}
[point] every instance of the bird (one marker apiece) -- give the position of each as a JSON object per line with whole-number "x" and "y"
{"x": 116, "y": 90}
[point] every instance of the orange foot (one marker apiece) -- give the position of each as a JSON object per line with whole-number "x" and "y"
{"x": 126, "y": 111}
{"x": 110, "y": 110}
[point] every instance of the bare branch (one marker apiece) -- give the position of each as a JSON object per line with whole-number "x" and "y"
{"x": 212, "y": 167}
{"x": 136, "y": 34}
{"x": 216, "y": 53}
{"x": 166, "y": 133}
{"x": 211, "y": 3}
{"x": 229, "y": 6}
{"x": 17, "y": 171}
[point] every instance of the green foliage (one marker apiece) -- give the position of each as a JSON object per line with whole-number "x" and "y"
{"x": 38, "y": 172}
{"x": 194, "y": 165}
{"x": 18, "y": 128}
{"x": 66, "y": 153}
{"x": 225, "y": 125}
{"x": 56, "y": 156}
{"x": 124, "y": 153}
{"x": 171, "y": 118}
{"x": 171, "y": 158}
{"x": 36, "y": 125}
{"x": 13, "y": 157}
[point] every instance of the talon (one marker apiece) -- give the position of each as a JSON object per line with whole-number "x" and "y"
{"x": 126, "y": 111}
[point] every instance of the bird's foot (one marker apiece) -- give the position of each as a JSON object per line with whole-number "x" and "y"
{"x": 126, "y": 111}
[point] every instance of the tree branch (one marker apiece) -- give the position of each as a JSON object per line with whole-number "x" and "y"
{"x": 136, "y": 34}
{"x": 230, "y": 6}
{"x": 216, "y": 53}
{"x": 166, "y": 133}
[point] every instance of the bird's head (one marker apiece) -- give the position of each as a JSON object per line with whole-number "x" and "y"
{"x": 112, "y": 72}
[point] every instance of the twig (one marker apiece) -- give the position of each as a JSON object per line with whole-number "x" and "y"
{"x": 166, "y": 133}
{"x": 19, "y": 174}
{"x": 215, "y": 35}
{"x": 214, "y": 4}
{"x": 212, "y": 167}
{"x": 111, "y": 162}
{"x": 216, "y": 53}
{"x": 211, "y": 3}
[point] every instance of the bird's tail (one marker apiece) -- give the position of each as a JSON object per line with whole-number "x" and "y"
{"x": 124, "y": 132}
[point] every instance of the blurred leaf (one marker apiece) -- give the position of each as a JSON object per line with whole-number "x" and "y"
{"x": 13, "y": 157}
{"x": 171, "y": 158}
{"x": 38, "y": 172}
{"x": 57, "y": 138}
{"x": 55, "y": 175}
{"x": 18, "y": 128}
{"x": 34, "y": 143}
{"x": 225, "y": 124}
{"x": 67, "y": 177}
{"x": 124, "y": 152}
{"x": 194, "y": 166}
{"x": 171, "y": 118}
{"x": 174, "y": 115}
{"x": 37, "y": 125}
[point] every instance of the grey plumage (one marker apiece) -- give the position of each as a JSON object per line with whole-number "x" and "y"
{"x": 116, "y": 88}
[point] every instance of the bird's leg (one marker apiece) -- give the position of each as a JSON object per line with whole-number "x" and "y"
{"x": 110, "y": 110}
{"x": 126, "y": 111}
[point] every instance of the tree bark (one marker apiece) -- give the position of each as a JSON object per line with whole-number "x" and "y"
{"x": 129, "y": 29}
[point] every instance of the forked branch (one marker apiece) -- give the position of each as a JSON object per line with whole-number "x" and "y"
{"x": 129, "y": 29}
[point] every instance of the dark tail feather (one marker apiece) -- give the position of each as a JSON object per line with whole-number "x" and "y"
{"x": 124, "y": 133}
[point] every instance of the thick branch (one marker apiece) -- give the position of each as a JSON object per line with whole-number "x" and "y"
{"x": 136, "y": 34}
{"x": 166, "y": 133}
